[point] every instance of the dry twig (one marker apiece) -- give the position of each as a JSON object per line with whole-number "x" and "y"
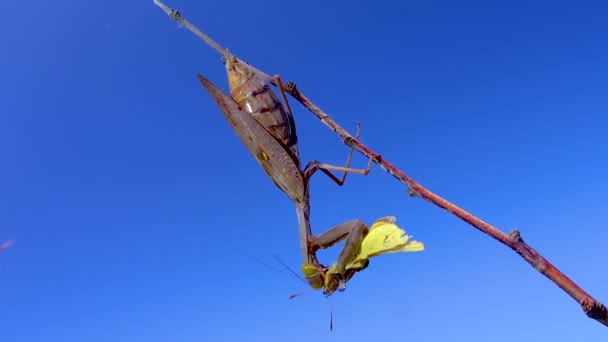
{"x": 592, "y": 307}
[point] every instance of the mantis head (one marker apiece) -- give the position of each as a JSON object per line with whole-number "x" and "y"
{"x": 319, "y": 276}
{"x": 334, "y": 281}
{"x": 315, "y": 275}
{"x": 329, "y": 279}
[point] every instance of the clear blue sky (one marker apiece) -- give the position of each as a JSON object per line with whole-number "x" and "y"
{"x": 129, "y": 196}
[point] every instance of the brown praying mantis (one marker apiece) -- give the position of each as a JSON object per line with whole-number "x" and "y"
{"x": 281, "y": 163}
{"x": 268, "y": 131}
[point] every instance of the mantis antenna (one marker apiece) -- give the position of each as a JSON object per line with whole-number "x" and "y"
{"x": 291, "y": 273}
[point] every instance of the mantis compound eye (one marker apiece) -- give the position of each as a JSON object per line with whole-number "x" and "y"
{"x": 341, "y": 283}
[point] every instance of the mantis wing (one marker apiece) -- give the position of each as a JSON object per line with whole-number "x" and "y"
{"x": 267, "y": 151}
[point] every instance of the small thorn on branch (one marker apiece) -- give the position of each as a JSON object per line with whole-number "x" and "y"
{"x": 348, "y": 141}
{"x": 515, "y": 236}
{"x": 413, "y": 193}
{"x": 175, "y": 15}
{"x": 292, "y": 89}
{"x": 291, "y": 86}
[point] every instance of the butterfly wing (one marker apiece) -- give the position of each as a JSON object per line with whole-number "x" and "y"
{"x": 384, "y": 237}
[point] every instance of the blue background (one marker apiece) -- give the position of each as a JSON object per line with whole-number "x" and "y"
{"x": 129, "y": 197}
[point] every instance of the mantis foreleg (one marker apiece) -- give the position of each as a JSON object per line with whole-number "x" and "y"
{"x": 334, "y": 279}
{"x": 353, "y": 231}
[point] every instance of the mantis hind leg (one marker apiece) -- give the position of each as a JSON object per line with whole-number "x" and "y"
{"x": 293, "y": 136}
{"x": 281, "y": 87}
{"x": 315, "y": 166}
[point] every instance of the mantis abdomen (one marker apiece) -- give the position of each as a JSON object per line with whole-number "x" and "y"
{"x": 257, "y": 98}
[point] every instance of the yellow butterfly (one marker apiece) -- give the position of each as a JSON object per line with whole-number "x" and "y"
{"x": 384, "y": 236}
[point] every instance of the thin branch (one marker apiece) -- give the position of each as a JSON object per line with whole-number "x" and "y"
{"x": 177, "y": 16}
{"x": 592, "y": 307}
